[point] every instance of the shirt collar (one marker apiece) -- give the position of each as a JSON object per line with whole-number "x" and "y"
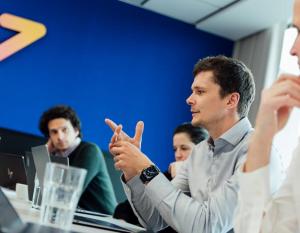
{"x": 237, "y": 132}
{"x": 67, "y": 152}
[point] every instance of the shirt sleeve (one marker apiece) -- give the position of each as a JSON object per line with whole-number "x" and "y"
{"x": 160, "y": 203}
{"x": 141, "y": 203}
{"x": 181, "y": 179}
{"x": 260, "y": 211}
{"x": 252, "y": 200}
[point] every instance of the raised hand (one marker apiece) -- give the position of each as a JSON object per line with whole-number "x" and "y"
{"x": 276, "y": 105}
{"x": 119, "y": 134}
{"x": 129, "y": 159}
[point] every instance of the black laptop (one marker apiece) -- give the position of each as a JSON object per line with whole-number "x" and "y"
{"x": 10, "y": 222}
{"x": 12, "y": 170}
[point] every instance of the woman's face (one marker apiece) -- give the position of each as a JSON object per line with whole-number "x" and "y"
{"x": 182, "y": 145}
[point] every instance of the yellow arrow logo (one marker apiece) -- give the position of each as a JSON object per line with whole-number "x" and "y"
{"x": 29, "y": 32}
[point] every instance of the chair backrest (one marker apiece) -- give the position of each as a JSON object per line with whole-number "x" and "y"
{"x": 115, "y": 177}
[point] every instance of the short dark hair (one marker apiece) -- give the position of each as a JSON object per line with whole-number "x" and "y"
{"x": 59, "y": 111}
{"x": 196, "y": 134}
{"x": 232, "y": 76}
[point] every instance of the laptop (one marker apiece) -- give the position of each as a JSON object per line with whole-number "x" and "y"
{"x": 107, "y": 223}
{"x": 12, "y": 170}
{"x": 31, "y": 170}
{"x": 11, "y": 222}
{"x": 41, "y": 157}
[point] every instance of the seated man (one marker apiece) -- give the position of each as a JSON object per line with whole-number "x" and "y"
{"x": 63, "y": 128}
{"x": 203, "y": 195}
{"x": 259, "y": 210}
{"x": 185, "y": 138}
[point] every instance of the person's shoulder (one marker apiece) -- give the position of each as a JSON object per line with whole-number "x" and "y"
{"x": 89, "y": 149}
{"x": 198, "y": 151}
{"x": 85, "y": 144}
{"x": 201, "y": 145}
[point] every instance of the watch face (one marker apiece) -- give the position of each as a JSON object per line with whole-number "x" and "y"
{"x": 149, "y": 173}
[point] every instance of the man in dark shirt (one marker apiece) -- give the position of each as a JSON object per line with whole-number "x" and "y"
{"x": 62, "y": 127}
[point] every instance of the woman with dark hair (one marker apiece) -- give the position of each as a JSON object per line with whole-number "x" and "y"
{"x": 185, "y": 137}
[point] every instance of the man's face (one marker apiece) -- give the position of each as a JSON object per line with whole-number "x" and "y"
{"x": 207, "y": 106}
{"x": 62, "y": 133}
{"x": 295, "y": 51}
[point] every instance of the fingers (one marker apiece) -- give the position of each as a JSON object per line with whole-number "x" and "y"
{"x": 116, "y": 136}
{"x": 286, "y": 101}
{"x": 116, "y": 150}
{"x": 122, "y": 147}
{"x": 139, "y": 129}
{"x": 118, "y": 164}
{"x": 287, "y": 87}
{"x": 291, "y": 77}
{"x": 111, "y": 124}
{"x": 284, "y": 93}
{"x": 118, "y": 132}
{"x": 120, "y": 161}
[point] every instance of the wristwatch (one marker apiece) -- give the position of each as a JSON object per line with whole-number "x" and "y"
{"x": 149, "y": 173}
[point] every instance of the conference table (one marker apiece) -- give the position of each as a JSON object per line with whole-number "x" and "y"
{"x": 28, "y": 214}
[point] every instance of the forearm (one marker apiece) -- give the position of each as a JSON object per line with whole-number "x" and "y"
{"x": 259, "y": 151}
{"x": 191, "y": 214}
{"x": 142, "y": 205}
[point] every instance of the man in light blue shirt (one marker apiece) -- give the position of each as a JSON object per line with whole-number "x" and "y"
{"x": 203, "y": 195}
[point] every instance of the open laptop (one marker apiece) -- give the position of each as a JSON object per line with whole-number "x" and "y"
{"x": 31, "y": 170}
{"x": 11, "y": 222}
{"x": 41, "y": 157}
{"x": 12, "y": 170}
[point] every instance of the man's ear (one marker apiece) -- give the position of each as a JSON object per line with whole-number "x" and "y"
{"x": 76, "y": 131}
{"x": 233, "y": 100}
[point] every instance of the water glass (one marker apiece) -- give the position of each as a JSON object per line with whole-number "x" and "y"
{"x": 36, "y": 197}
{"x": 61, "y": 191}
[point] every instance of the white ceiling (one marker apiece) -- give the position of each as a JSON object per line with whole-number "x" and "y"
{"x": 232, "y": 19}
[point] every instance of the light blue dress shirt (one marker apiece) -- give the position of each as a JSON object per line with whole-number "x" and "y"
{"x": 203, "y": 195}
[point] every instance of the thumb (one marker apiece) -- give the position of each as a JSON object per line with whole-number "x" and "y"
{"x": 139, "y": 129}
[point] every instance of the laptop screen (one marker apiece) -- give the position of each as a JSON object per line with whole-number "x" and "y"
{"x": 40, "y": 157}
{"x": 12, "y": 170}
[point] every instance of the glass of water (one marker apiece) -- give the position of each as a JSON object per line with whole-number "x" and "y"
{"x": 61, "y": 191}
{"x": 36, "y": 198}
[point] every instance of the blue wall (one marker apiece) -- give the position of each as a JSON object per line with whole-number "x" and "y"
{"x": 106, "y": 59}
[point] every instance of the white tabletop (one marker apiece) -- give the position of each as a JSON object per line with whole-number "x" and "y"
{"x": 29, "y": 214}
